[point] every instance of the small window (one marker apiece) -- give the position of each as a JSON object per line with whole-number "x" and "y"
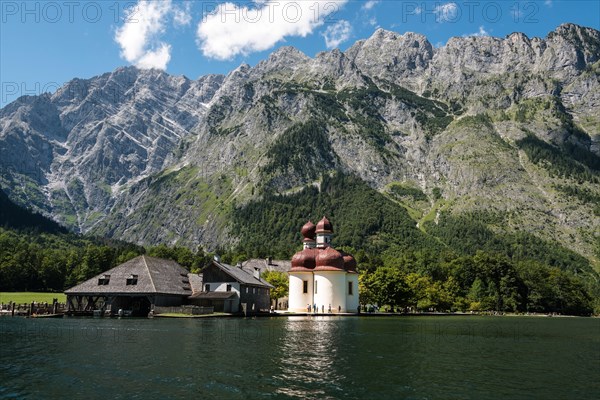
{"x": 254, "y": 291}
{"x": 350, "y": 289}
{"x": 229, "y": 288}
{"x": 103, "y": 280}
{"x": 246, "y": 289}
{"x": 132, "y": 280}
{"x": 316, "y": 286}
{"x": 304, "y": 286}
{"x": 207, "y": 288}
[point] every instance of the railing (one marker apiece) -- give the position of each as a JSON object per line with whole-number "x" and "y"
{"x": 34, "y": 308}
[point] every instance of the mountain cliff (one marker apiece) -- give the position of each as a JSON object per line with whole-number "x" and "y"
{"x": 482, "y": 126}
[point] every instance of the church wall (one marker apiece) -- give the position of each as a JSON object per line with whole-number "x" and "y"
{"x": 297, "y": 299}
{"x": 330, "y": 290}
{"x": 352, "y": 300}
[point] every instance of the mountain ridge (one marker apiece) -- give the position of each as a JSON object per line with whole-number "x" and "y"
{"x": 133, "y": 154}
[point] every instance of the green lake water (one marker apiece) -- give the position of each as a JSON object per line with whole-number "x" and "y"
{"x": 301, "y": 357}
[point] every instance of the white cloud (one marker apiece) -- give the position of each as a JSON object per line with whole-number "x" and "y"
{"x": 232, "y": 29}
{"x": 139, "y": 37}
{"x": 446, "y": 12}
{"x": 548, "y": 3}
{"x": 370, "y": 4}
{"x": 482, "y": 32}
{"x": 337, "y": 34}
{"x": 372, "y": 21}
{"x": 182, "y": 15}
{"x": 158, "y": 58}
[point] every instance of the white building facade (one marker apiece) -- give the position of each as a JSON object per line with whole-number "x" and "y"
{"x": 322, "y": 279}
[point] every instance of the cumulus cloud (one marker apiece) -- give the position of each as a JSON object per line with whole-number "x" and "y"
{"x": 370, "y": 4}
{"x": 140, "y": 35}
{"x": 482, "y": 32}
{"x": 158, "y": 58}
{"x": 446, "y": 12}
{"x": 337, "y": 34}
{"x": 232, "y": 29}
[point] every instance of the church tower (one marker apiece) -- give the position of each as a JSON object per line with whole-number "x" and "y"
{"x": 308, "y": 232}
{"x": 324, "y": 233}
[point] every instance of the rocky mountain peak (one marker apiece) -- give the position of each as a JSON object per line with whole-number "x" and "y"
{"x": 106, "y": 154}
{"x": 283, "y": 61}
{"x": 394, "y": 57}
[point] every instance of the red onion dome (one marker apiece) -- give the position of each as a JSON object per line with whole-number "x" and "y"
{"x": 324, "y": 226}
{"x": 304, "y": 260}
{"x": 329, "y": 259}
{"x": 309, "y": 230}
{"x": 349, "y": 263}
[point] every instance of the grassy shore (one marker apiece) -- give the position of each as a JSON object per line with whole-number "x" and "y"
{"x": 28, "y": 297}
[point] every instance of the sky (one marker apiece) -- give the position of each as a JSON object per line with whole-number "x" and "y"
{"x": 44, "y": 44}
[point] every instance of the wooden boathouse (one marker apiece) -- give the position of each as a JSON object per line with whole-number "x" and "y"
{"x": 132, "y": 288}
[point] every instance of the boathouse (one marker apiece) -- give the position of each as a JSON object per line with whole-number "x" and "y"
{"x": 134, "y": 287}
{"x": 232, "y": 289}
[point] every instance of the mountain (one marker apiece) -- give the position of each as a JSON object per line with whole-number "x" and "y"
{"x": 501, "y": 133}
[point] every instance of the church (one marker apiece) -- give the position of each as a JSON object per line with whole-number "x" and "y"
{"x": 322, "y": 277}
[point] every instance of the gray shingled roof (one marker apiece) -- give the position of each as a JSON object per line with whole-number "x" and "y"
{"x": 154, "y": 276}
{"x": 263, "y": 265}
{"x": 195, "y": 282}
{"x": 242, "y": 275}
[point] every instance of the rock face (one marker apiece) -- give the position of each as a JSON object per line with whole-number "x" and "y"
{"x": 477, "y": 124}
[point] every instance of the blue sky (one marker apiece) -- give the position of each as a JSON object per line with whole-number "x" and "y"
{"x": 43, "y": 44}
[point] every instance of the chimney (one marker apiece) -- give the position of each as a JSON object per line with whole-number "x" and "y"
{"x": 269, "y": 260}
{"x": 239, "y": 265}
{"x": 217, "y": 258}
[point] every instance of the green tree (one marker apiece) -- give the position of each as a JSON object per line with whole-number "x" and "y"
{"x": 388, "y": 287}
{"x": 280, "y": 281}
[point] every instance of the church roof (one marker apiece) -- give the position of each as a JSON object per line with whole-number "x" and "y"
{"x": 329, "y": 259}
{"x": 324, "y": 226}
{"x": 323, "y": 258}
{"x": 308, "y": 231}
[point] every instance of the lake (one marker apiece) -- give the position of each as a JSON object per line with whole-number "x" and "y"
{"x": 457, "y": 357}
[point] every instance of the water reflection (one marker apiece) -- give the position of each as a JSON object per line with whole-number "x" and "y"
{"x": 311, "y": 360}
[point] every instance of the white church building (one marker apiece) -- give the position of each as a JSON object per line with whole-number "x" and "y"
{"x": 320, "y": 276}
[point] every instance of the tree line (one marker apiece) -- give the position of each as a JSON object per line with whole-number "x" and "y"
{"x": 34, "y": 261}
{"x": 482, "y": 282}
